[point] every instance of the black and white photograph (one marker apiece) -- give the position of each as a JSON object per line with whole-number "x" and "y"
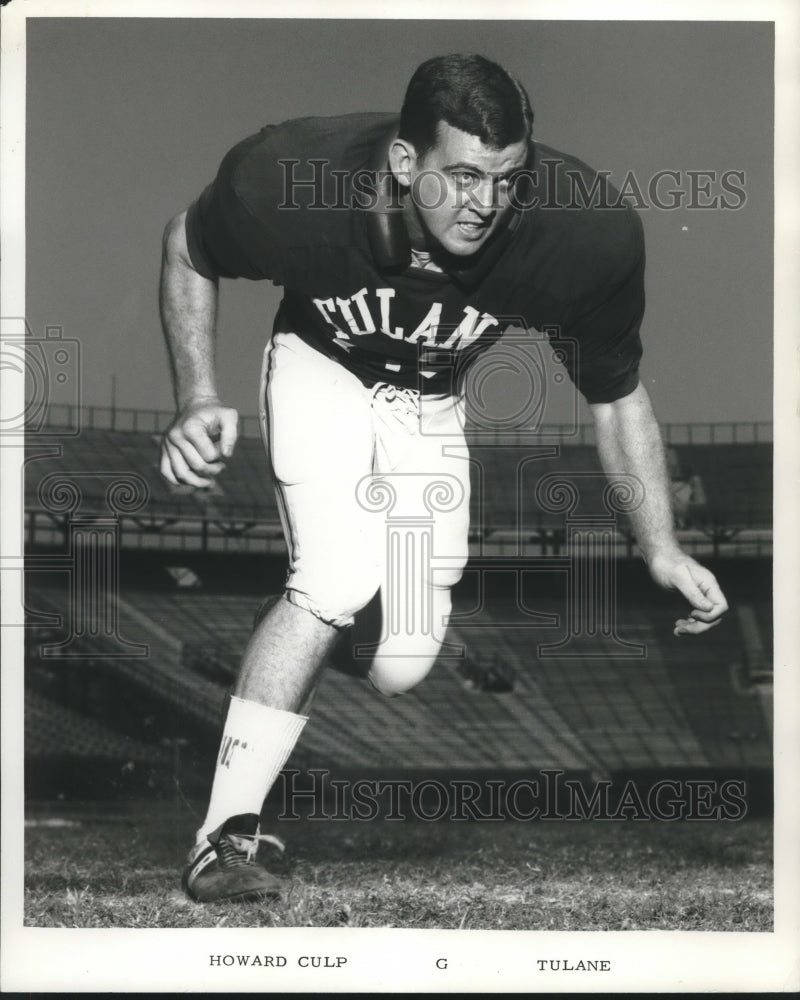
{"x": 399, "y": 463}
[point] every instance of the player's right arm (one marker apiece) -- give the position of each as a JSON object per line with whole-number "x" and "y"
{"x": 203, "y": 433}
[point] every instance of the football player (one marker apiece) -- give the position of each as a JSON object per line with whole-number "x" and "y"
{"x": 405, "y": 246}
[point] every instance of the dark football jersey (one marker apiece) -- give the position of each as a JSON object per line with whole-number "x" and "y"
{"x": 310, "y": 204}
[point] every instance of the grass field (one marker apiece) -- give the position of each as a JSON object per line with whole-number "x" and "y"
{"x": 121, "y": 868}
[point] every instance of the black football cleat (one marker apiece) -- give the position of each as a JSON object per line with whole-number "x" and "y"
{"x": 224, "y": 866}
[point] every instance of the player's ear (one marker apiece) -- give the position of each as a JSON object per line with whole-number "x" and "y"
{"x": 402, "y": 159}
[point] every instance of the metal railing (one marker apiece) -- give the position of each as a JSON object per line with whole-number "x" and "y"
{"x": 116, "y": 418}
{"x": 156, "y": 421}
{"x": 43, "y": 532}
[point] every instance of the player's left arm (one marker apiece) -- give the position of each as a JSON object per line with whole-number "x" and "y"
{"x": 629, "y": 442}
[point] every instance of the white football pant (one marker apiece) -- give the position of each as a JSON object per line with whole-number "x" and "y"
{"x": 373, "y": 491}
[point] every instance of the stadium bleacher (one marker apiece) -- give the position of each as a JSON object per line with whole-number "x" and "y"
{"x": 54, "y": 730}
{"x": 240, "y": 514}
{"x": 97, "y": 454}
{"x": 737, "y": 481}
{"x": 595, "y": 710}
{"x": 591, "y": 710}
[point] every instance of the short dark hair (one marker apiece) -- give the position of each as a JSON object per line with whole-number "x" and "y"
{"x": 472, "y": 94}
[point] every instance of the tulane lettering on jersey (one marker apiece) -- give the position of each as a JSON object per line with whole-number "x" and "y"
{"x": 362, "y": 314}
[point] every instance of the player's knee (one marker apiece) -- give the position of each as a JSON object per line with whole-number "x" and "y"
{"x": 448, "y": 576}
{"x": 391, "y": 678}
{"x": 336, "y": 604}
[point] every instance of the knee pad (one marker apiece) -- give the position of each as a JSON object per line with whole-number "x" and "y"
{"x": 405, "y": 658}
{"x": 338, "y": 607}
{"x": 446, "y": 577}
{"x": 391, "y": 677}
{"x": 401, "y": 662}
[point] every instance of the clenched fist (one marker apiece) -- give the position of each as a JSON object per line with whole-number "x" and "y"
{"x": 197, "y": 443}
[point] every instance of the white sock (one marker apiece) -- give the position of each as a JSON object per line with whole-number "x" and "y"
{"x": 256, "y": 743}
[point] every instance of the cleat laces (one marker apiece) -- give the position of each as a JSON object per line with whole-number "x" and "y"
{"x": 237, "y": 850}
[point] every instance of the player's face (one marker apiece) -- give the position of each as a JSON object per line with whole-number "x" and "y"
{"x": 460, "y": 189}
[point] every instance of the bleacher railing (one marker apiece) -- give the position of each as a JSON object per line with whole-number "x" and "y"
{"x": 157, "y": 421}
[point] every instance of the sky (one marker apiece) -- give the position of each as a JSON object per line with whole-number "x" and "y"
{"x": 128, "y": 118}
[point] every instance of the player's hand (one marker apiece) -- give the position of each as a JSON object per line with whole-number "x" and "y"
{"x": 197, "y": 443}
{"x": 675, "y": 570}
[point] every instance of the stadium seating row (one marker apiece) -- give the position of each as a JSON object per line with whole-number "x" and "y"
{"x": 498, "y": 705}
{"x": 734, "y": 481}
